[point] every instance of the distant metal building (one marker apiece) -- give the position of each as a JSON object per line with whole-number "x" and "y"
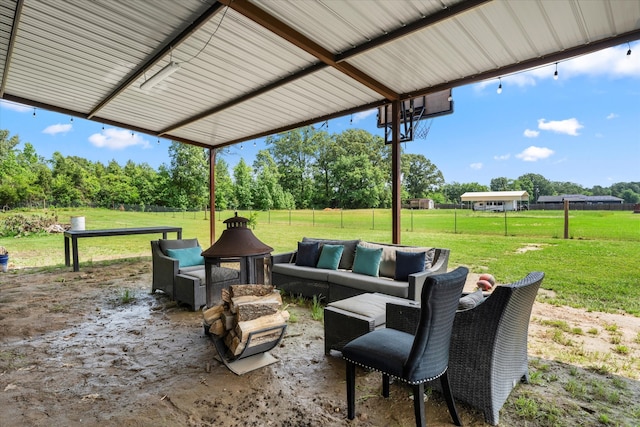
{"x": 420, "y": 204}
{"x": 579, "y": 198}
{"x": 497, "y": 201}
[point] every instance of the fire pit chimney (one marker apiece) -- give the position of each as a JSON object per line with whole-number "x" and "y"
{"x": 237, "y": 241}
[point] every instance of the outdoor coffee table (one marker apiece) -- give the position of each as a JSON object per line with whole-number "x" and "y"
{"x": 347, "y": 319}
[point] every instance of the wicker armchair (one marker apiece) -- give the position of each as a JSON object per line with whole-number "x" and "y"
{"x": 488, "y": 353}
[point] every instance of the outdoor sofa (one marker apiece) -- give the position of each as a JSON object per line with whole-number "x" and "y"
{"x": 395, "y": 274}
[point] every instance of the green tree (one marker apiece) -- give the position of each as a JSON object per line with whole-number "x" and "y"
{"x": 618, "y": 188}
{"x": 504, "y": 184}
{"x": 145, "y": 180}
{"x": 568, "y": 188}
{"x": 327, "y": 152}
{"x": 600, "y": 191}
{"x": 70, "y": 184}
{"x": 267, "y": 191}
{"x": 294, "y": 153}
{"x": 629, "y": 196}
{"x": 420, "y": 176}
{"x": 225, "y": 198}
{"x": 189, "y": 172}
{"x": 361, "y": 184}
{"x": 242, "y": 175}
{"x": 357, "y": 148}
{"x": 532, "y": 181}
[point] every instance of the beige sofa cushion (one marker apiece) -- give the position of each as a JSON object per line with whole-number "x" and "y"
{"x": 388, "y": 261}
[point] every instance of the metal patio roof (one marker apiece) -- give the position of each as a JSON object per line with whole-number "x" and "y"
{"x": 250, "y": 68}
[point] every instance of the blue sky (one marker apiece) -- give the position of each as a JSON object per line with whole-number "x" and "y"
{"x": 583, "y": 127}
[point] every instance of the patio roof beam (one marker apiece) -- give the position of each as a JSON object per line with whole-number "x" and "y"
{"x": 12, "y": 42}
{"x": 321, "y": 53}
{"x": 166, "y": 48}
{"x": 298, "y": 39}
{"x": 412, "y": 27}
{"x": 246, "y": 97}
{"x": 532, "y": 63}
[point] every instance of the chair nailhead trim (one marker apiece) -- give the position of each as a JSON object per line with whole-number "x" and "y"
{"x": 393, "y": 376}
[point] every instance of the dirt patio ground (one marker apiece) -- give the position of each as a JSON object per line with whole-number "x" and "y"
{"x": 74, "y": 352}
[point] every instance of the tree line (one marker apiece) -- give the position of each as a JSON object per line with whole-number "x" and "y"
{"x": 303, "y": 168}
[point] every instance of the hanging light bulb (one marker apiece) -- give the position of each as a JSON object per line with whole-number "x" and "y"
{"x": 158, "y": 141}
{"x": 555, "y": 75}
{"x": 629, "y": 51}
{"x": 34, "y": 112}
{"x": 499, "y": 86}
{"x": 71, "y": 119}
{"x": 254, "y": 143}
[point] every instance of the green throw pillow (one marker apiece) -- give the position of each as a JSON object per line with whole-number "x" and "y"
{"x": 330, "y": 256}
{"x": 187, "y": 257}
{"x": 367, "y": 261}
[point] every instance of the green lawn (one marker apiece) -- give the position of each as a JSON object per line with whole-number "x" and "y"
{"x": 597, "y": 268}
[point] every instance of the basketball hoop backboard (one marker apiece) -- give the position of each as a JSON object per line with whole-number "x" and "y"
{"x": 413, "y": 110}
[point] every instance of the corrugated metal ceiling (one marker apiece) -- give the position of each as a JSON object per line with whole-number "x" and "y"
{"x": 251, "y": 68}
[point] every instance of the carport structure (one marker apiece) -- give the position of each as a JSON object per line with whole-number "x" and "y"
{"x": 235, "y": 70}
{"x": 496, "y": 200}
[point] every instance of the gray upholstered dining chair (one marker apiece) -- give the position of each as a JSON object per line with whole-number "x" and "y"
{"x": 413, "y": 359}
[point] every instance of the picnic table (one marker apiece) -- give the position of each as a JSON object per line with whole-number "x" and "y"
{"x": 74, "y": 235}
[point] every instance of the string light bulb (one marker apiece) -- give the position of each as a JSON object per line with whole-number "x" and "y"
{"x": 555, "y": 75}
{"x": 499, "y": 86}
{"x": 34, "y": 112}
{"x": 629, "y": 51}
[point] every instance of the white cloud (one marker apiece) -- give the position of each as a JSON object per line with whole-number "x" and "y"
{"x": 533, "y": 154}
{"x": 612, "y": 116}
{"x": 363, "y": 115}
{"x": 117, "y": 139}
{"x": 476, "y": 166}
{"x": 568, "y": 126}
{"x": 529, "y": 133}
{"x": 15, "y": 106}
{"x": 502, "y": 157}
{"x": 57, "y": 128}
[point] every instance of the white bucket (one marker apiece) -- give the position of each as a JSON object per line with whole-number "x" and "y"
{"x": 77, "y": 223}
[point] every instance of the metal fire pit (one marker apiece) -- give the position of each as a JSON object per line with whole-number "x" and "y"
{"x": 238, "y": 244}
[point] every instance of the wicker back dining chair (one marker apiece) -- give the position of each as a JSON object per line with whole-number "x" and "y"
{"x": 413, "y": 359}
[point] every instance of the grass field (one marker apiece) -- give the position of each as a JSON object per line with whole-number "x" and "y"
{"x": 597, "y": 268}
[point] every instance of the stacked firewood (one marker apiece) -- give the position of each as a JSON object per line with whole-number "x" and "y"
{"x": 246, "y": 310}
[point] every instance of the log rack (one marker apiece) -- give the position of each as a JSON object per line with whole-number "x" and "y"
{"x": 260, "y": 352}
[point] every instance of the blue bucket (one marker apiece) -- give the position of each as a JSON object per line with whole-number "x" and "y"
{"x": 4, "y": 262}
